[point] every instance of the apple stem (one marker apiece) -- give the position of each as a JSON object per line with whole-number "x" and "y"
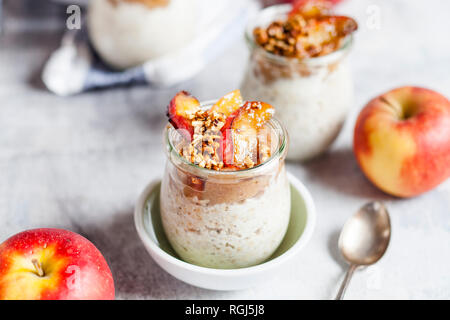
{"x": 38, "y": 267}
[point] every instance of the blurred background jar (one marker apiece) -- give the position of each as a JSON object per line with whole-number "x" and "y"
{"x": 312, "y": 96}
{"x": 127, "y": 33}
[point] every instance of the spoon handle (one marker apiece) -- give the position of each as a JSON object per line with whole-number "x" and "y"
{"x": 346, "y": 281}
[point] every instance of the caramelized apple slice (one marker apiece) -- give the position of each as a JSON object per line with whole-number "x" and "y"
{"x": 226, "y": 148}
{"x": 194, "y": 185}
{"x": 180, "y": 110}
{"x": 343, "y": 25}
{"x": 324, "y": 35}
{"x": 228, "y": 103}
{"x": 253, "y": 114}
{"x": 240, "y": 136}
{"x": 311, "y": 8}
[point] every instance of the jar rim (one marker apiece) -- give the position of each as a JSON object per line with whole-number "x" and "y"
{"x": 280, "y": 152}
{"x": 283, "y": 9}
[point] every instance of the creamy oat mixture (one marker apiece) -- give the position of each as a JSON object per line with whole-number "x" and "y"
{"x": 127, "y": 33}
{"x": 312, "y": 107}
{"x": 241, "y": 228}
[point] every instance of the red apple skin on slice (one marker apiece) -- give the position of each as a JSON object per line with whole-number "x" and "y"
{"x": 179, "y": 107}
{"x": 229, "y": 103}
{"x": 226, "y": 148}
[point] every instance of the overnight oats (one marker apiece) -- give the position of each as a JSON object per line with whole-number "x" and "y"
{"x": 225, "y": 196}
{"x": 127, "y": 33}
{"x": 298, "y": 63}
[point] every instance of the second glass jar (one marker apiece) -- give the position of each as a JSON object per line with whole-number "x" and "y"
{"x": 312, "y": 96}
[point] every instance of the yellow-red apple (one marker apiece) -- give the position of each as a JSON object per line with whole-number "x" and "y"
{"x": 53, "y": 264}
{"x": 402, "y": 141}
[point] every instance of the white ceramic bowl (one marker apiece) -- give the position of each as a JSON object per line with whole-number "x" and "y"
{"x": 149, "y": 228}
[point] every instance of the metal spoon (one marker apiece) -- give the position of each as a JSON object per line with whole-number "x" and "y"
{"x": 364, "y": 239}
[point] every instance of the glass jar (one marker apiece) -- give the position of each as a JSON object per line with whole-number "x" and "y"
{"x": 225, "y": 219}
{"x": 127, "y": 33}
{"x": 313, "y": 96}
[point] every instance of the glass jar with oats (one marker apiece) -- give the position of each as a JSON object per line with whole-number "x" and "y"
{"x": 218, "y": 213}
{"x": 127, "y": 33}
{"x": 298, "y": 63}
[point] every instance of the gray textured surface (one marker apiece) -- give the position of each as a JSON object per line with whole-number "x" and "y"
{"x": 79, "y": 163}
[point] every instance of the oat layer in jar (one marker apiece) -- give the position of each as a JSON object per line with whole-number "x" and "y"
{"x": 127, "y": 33}
{"x": 313, "y": 95}
{"x": 225, "y": 219}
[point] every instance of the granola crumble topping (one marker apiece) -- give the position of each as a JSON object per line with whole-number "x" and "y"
{"x": 305, "y": 34}
{"x": 203, "y": 150}
{"x": 230, "y": 135}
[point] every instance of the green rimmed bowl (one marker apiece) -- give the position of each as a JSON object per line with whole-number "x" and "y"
{"x": 149, "y": 227}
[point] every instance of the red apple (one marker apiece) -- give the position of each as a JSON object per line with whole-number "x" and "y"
{"x": 402, "y": 141}
{"x": 53, "y": 264}
{"x": 178, "y": 112}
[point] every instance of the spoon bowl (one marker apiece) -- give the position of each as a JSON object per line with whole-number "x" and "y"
{"x": 364, "y": 238}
